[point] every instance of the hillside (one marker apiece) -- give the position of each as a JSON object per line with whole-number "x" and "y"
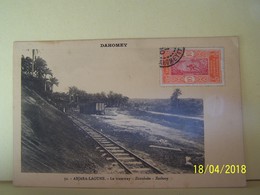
{"x": 50, "y": 141}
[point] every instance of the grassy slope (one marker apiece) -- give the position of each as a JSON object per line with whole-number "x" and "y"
{"x": 50, "y": 141}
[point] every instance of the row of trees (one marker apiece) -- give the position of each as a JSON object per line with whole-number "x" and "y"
{"x": 111, "y": 99}
{"x": 75, "y": 96}
{"x": 37, "y": 75}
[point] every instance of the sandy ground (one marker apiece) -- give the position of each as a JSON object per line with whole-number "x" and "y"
{"x": 165, "y": 147}
{"x": 131, "y": 124}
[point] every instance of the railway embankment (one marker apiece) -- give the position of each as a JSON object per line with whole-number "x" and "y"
{"x": 50, "y": 141}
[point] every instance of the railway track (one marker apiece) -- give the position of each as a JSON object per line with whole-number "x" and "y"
{"x": 127, "y": 160}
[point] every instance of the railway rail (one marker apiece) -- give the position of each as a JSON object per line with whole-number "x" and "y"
{"x": 127, "y": 160}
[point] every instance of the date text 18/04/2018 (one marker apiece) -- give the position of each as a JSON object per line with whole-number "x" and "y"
{"x": 220, "y": 169}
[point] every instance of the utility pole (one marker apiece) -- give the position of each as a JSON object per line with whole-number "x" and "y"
{"x": 34, "y": 56}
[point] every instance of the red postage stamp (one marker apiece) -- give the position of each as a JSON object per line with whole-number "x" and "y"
{"x": 191, "y": 66}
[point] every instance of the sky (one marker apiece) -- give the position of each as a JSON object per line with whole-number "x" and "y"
{"x": 133, "y": 71}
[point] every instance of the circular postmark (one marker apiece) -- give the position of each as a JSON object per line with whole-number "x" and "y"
{"x": 170, "y": 56}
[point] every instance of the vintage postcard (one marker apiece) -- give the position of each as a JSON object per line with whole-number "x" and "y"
{"x": 129, "y": 113}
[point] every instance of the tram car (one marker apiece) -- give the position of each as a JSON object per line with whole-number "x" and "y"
{"x": 92, "y": 108}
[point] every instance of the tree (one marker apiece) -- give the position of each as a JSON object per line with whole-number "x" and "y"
{"x": 116, "y": 99}
{"x": 76, "y": 94}
{"x": 27, "y": 64}
{"x": 111, "y": 99}
{"x": 40, "y": 68}
{"x": 101, "y": 97}
{"x": 53, "y": 81}
{"x": 175, "y": 98}
{"x": 47, "y": 72}
{"x": 37, "y": 75}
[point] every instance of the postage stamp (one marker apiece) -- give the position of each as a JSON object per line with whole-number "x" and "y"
{"x": 191, "y": 66}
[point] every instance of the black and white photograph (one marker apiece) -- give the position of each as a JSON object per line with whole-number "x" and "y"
{"x": 104, "y": 128}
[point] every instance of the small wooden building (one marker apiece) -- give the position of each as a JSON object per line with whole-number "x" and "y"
{"x": 92, "y": 108}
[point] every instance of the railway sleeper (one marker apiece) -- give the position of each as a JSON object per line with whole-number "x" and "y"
{"x": 114, "y": 150}
{"x": 125, "y": 158}
{"x": 109, "y": 145}
{"x": 105, "y": 142}
{"x": 135, "y": 166}
{"x": 138, "y": 170}
{"x": 99, "y": 138}
{"x": 133, "y": 163}
{"x": 112, "y": 147}
{"x": 120, "y": 154}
